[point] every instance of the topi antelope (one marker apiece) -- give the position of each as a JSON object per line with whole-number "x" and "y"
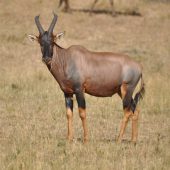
{"x": 102, "y": 74}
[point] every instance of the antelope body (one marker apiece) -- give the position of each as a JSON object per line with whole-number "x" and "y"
{"x": 102, "y": 74}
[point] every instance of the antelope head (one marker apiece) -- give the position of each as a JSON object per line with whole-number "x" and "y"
{"x": 46, "y": 39}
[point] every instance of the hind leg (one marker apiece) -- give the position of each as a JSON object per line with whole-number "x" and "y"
{"x": 82, "y": 111}
{"x": 127, "y": 114}
{"x": 126, "y": 95}
{"x": 135, "y": 125}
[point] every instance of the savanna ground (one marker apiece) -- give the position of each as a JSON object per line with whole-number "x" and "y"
{"x": 33, "y": 123}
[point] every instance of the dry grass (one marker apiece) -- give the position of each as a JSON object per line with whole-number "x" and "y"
{"x": 32, "y": 113}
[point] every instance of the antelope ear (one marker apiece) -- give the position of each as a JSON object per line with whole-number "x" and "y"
{"x": 33, "y": 38}
{"x": 59, "y": 35}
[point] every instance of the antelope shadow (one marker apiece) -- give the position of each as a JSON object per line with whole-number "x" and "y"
{"x": 104, "y": 11}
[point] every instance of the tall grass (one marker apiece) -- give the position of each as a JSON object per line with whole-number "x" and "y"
{"x": 32, "y": 112}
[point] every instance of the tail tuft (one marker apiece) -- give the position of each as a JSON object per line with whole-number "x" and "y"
{"x": 139, "y": 95}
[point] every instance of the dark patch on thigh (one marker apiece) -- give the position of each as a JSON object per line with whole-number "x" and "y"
{"x": 128, "y": 100}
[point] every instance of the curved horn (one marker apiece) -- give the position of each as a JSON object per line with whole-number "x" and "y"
{"x": 40, "y": 28}
{"x": 50, "y": 30}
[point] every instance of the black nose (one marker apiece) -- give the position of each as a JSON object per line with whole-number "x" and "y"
{"x": 46, "y": 59}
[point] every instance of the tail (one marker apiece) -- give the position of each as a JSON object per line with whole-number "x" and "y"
{"x": 139, "y": 95}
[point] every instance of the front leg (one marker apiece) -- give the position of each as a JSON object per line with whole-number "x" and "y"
{"x": 82, "y": 111}
{"x": 69, "y": 113}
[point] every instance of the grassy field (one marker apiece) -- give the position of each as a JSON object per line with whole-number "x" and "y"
{"x": 33, "y": 123}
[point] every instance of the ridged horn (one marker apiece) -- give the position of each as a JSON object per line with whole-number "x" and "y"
{"x": 50, "y": 30}
{"x": 39, "y": 26}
